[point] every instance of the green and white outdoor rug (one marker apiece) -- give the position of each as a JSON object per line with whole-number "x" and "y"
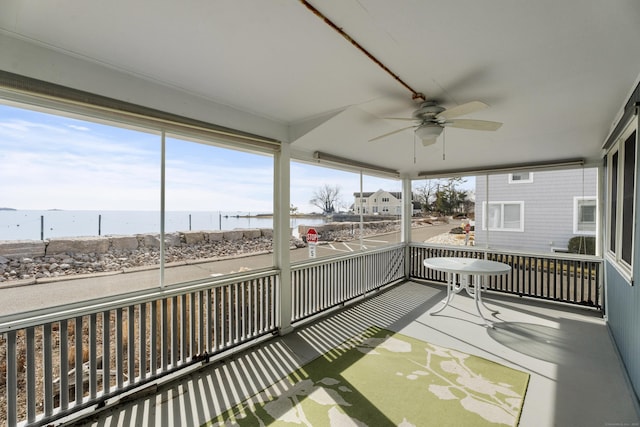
{"x": 381, "y": 378}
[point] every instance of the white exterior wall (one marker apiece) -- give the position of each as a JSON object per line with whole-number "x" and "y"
{"x": 381, "y": 202}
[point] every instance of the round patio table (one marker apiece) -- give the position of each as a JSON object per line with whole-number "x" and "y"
{"x": 459, "y": 272}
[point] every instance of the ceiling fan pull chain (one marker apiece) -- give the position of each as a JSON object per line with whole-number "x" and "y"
{"x": 443, "y": 141}
{"x": 414, "y": 148}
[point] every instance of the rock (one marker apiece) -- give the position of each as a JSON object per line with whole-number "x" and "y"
{"x": 77, "y": 245}
{"x": 172, "y": 239}
{"x": 22, "y": 248}
{"x": 214, "y": 236}
{"x": 124, "y": 242}
{"x": 193, "y": 237}
{"x": 253, "y": 233}
{"x": 233, "y": 235}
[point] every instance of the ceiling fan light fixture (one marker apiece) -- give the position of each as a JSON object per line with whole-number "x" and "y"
{"x": 428, "y": 132}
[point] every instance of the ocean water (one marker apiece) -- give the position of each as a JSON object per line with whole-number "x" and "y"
{"x": 34, "y": 225}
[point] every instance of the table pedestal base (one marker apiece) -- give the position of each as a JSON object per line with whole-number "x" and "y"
{"x": 456, "y": 286}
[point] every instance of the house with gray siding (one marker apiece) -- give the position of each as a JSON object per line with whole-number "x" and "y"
{"x": 536, "y": 210}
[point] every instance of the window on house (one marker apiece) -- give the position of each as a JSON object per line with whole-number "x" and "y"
{"x": 621, "y": 185}
{"x": 520, "y": 177}
{"x": 503, "y": 216}
{"x": 584, "y": 215}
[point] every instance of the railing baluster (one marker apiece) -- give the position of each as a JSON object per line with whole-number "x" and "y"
{"x": 183, "y": 328}
{"x": 93, "y": 354}
{"x": 164, "y": 335}
{"x": 119, "y": 352}
{"x": 174, "y": 332}
{"x": 31, "y": 375}
{"x": 106, "y": 351}
{"x": 47, "y": 363}
{"x": 153, "y": 339}
{"x": 12, "y": 379}
{"x": 209, "y": 320}
{"x": 78, "y": 368}
{"x": 201, "y": 323}
{"x": 131, "y": 345}
{"x": 142, "y": 340}
{"x": 64, "y": 364}
{"x": 236, "y": 313}
{"x": 193, "y": 350}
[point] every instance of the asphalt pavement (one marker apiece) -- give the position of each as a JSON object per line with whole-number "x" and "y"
{"x": 65, "y": 291}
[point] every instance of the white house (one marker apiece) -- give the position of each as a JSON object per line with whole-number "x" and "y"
{"x": 380, "y": 202}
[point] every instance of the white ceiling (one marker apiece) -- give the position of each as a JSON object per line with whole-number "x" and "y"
{"x": 556, "y": 73}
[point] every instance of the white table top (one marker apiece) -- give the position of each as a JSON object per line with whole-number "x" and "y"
{"x": 466, "y": 265}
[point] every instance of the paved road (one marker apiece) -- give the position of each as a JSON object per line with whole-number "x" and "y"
{"x": 23, "y": 299}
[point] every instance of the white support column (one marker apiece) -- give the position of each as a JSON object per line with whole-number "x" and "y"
{"x": 405, "y": 229}
{"x": 282, "y": 234}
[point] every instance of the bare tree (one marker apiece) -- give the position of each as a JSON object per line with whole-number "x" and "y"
{"x": 426, "y": 194}
{"x": 326, "y": 198}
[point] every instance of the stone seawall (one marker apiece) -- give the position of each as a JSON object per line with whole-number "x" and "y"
{"x": 29, "y": 260}
{"x": 104, "y": 244}
{"x": 65, "y": 256}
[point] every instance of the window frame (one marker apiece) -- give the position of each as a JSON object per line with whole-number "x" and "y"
{"x": 615, "y": 224}
{"x": 520, "y": 181}
{"x": 576, "y": 215}
{"x": 485, "y": 217}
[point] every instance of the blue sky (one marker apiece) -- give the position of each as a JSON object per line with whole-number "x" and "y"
{"x": 56, "y": 162}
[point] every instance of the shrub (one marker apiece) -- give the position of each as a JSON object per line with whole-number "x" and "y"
{"x": 585, "y": 245}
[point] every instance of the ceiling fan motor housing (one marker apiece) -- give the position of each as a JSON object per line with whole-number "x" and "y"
{"x": 427, "y": 111}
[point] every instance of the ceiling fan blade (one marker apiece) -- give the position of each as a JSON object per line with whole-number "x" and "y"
{"x": 473, "y": 124}
{"x": 461, "y": 110}
{"x": 390, "y": 133}
{"x": 400, "y": 118}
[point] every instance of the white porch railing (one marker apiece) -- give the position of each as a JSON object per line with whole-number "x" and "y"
{"x": 64, "y": 360}
{"x": 573, "y": 279}
{"x": 326, "y": 283}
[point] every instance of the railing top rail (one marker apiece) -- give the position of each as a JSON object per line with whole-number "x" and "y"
{"x": 299, "y": 265}
{"x": 555, "y": 255}
{"x": 83, "y": 308}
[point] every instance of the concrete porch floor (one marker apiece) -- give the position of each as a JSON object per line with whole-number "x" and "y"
{"x": 576, "y": 376}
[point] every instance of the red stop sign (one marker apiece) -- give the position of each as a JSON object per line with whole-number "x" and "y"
{"x": 312, "y": 236}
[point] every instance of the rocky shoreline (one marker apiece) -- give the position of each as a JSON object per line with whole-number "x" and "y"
{"x": 59, "y": 259}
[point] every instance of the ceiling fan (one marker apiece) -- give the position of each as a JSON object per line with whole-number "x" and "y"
{"x": 431, "y": 119}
